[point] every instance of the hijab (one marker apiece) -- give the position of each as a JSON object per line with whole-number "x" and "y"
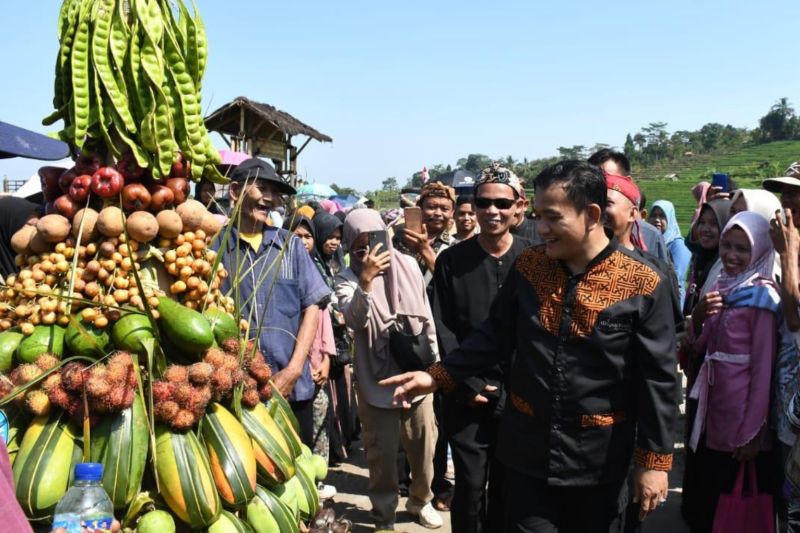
{"x": 699, "y": 192}
{"x": 758, "y": 201}
{"x": 705, "y": 263}
{"x": 673, "y": 231}
{"x": 762, "y": 253}
{"x": 400, "y": 291}
{"x": 325, "y": 224}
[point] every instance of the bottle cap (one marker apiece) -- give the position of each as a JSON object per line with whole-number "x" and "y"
{"x": 88, "y": 472}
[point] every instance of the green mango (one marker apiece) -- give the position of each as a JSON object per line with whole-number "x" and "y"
{"x": 156, "y": 522}
{"x": 44, "y": 339}
{"x": 222, "y": 324}
{"x": 186, "y": 328}
{"x": 83, "y": 338}
{"x": 9, "y": 342}
{"x": 129, "y": 332}
{"x": 320, "y": 467}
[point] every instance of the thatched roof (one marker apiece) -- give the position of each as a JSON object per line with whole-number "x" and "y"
{"x": 261, "y": 120}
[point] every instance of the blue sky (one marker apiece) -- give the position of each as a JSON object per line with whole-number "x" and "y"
{"x": 399, "y": 85}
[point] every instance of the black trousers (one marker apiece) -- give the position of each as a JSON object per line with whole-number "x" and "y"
{"x": 440, "y": 486}
{"x": 304, "y": 412}
{"x": 533, "y": 506}
{"x": 472, "y": 434}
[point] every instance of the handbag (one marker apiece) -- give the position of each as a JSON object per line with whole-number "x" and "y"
{"x": 411, "y": 352}
{"x": 740, "y": 512}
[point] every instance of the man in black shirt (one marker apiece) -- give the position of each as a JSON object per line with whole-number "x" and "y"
{"x": 466, "y": 280}
{"x": 587, "y": 330}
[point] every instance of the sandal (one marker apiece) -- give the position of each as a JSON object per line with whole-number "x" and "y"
{"x": 442, "y": 505}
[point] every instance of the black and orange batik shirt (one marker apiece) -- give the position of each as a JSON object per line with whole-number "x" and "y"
{"x": 593, "y": 382}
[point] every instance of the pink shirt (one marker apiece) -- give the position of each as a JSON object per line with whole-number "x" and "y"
{"x": 733, "y": 385}
{"x": 324, "y": 342}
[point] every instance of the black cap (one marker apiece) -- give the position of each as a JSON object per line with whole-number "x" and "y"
{"x": 258, "y": 169}
{"x": 19, "y": 142}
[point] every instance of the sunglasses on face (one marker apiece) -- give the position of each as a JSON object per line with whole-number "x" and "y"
{"x": 500, "y": 203}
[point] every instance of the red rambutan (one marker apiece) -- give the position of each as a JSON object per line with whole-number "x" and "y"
{"x": 26, "y": 373}
{"x": 200, "y": 373}
{"x": 6, "y": 386}
{"x": 221, "y": 381}
{"x": 37, "y": 402}
{"x": 72, "y": 376}
{"x": 162, "y": 391}
{"x": 199, "y": 401}
{"x": 265, "y": 392}
{"x": 127, "y": 401}
{"x": 260, "y": 371}
{"x": 215, "y": 357}
{"x": 60, "y": 398}
{"x": 231, "y": 346}
{"x": 51, "y": 381}
{"x": 250, "y": 398}
{"x": 47, "y": 361}
{"x": 122, "y": 358}
{"x": 166, "y": 411}
{"x": 176, "y": 374}
{"x": 97, "y": 387}
{"x": 230, "y": 363}
{"x": 183, "y": 421}
{"x": 183, "y": 393}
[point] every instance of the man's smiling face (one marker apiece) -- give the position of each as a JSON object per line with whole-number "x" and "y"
{"x": 259, "y": 197}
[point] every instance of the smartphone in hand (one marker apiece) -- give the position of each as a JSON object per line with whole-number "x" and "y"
{"x": 720, "y": 180}
{"x": 413, "y": 219}
{"x": 378, "y": 237}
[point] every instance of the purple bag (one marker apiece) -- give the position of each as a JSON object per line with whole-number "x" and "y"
{"x": 738, "y": 512}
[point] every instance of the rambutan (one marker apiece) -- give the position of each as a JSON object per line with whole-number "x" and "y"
{"x": 265, "y": 391}
{"x": 176, "y": 374}
{"x": 37, "y": 402}
{"x": 166, "y": 411}
{"x": 230, "y": 363}
{"x": 6, "y": 386}
{"x": 215, "y": 357}
{"x": 97, "y": 387}
{"x": 162, "y": 391}
{"x": 122, "y": 358}
{"x": 60, "y": 398}
{"x": 238, "y": 376}
{"x": 183, "y": 421}
{"x": 110, "y": 402}
{"x": 52, "y": 381}
{"x": 183, "y": 393}
{"x": 200, "y": 373}
{"x": 98, "y": 371}
{"x": 26, "y": 373}
{"x": 47, "y": 361}
{"x": 231, "y": 346}
{"x": 127, "y": 401}
{"x": 117, "y": 373}
{"x": 250, "y": 398}
{"x": 250, "y": 382}
{"x": 221, "y": 381}
{"x": 133, "y": 381}
{"x": 72, "y": 376}
{"x": 260, "y": 370}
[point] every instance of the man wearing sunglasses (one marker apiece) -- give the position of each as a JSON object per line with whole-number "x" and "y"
{"x": 466, "y": 280}
{"x": 587, "y": 329}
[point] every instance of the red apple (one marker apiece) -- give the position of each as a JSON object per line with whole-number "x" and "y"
{"x": 161, "y": 197}
{"x": 66, "y": 206}
{"x": 135, "y": 197}
{"x": 180, "y": 188}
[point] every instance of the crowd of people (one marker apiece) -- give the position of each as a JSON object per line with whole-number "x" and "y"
{"x": 541, "y": 350}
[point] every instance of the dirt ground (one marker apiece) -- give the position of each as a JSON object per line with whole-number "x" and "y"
{"x": 351, "y": 501}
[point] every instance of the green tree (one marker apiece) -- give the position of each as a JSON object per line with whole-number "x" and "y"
{"x": 577, "y": 151}
{"x": 629, "y": 149}
{"x": 777, "y": 124}
{"x": 474, "y": 162}
{"x": 390, "y": 184}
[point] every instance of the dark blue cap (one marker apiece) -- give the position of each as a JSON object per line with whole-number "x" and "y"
{"x": 258, "y": 169}
{"x": 88, "y": 471}
{"x": 19, "y": 142}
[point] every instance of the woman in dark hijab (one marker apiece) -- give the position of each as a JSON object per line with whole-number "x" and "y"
{"x": 703, "y": 241}
{"x": 328, "y": 243}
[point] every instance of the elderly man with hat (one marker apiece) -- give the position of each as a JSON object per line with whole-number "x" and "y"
{"x": 276, "y": 283}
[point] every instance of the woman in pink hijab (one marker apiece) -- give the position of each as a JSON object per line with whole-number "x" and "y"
{"x": 699, "y": 192}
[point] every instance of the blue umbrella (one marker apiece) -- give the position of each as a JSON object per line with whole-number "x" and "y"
{"x": 316, "y": 190}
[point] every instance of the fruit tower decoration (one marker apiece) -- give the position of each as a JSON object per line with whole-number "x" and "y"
{"x": 117, "y": 342}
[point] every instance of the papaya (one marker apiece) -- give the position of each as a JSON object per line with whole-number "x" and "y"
{"x": 229, "y": 523}
{"x": 119, "y": 442}
{"x": 44, "y": 339}
{"x": 281, "y": 412}
{"x": 320, "y": 467}
{"x": 185, "y": 479}
{"x": 9, "y": 342}
{"x": 82, "y": 338}
{"x": 274, "y": 460}
{"x": 260, "y": 518}
{"x": 231, "y": 455}
{"x": 186, "y": 328}
{"x": 17, "y": 419}
{"x": 283, "y": 515}
{"x": 222, "y": 324}
{"x": 307, "y": 495}
{"x": 156, "y": 522}
{"x": 129, "y": 332}
{"x": 44, "y": 464}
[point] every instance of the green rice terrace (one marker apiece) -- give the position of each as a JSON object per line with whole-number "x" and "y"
{"x": 747, "y": 167}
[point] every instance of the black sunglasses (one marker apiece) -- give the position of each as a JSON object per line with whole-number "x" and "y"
{"x": 482, "y": 202}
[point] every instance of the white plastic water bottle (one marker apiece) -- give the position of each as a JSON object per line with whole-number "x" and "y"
{"x": 86, "y": 504}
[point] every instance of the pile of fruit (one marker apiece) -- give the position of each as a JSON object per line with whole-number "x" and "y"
{"x": 117, "y": 342}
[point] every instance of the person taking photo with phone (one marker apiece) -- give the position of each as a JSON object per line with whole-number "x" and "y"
{"x": 467, "y": 278}
{"x": 381, "y": 291}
